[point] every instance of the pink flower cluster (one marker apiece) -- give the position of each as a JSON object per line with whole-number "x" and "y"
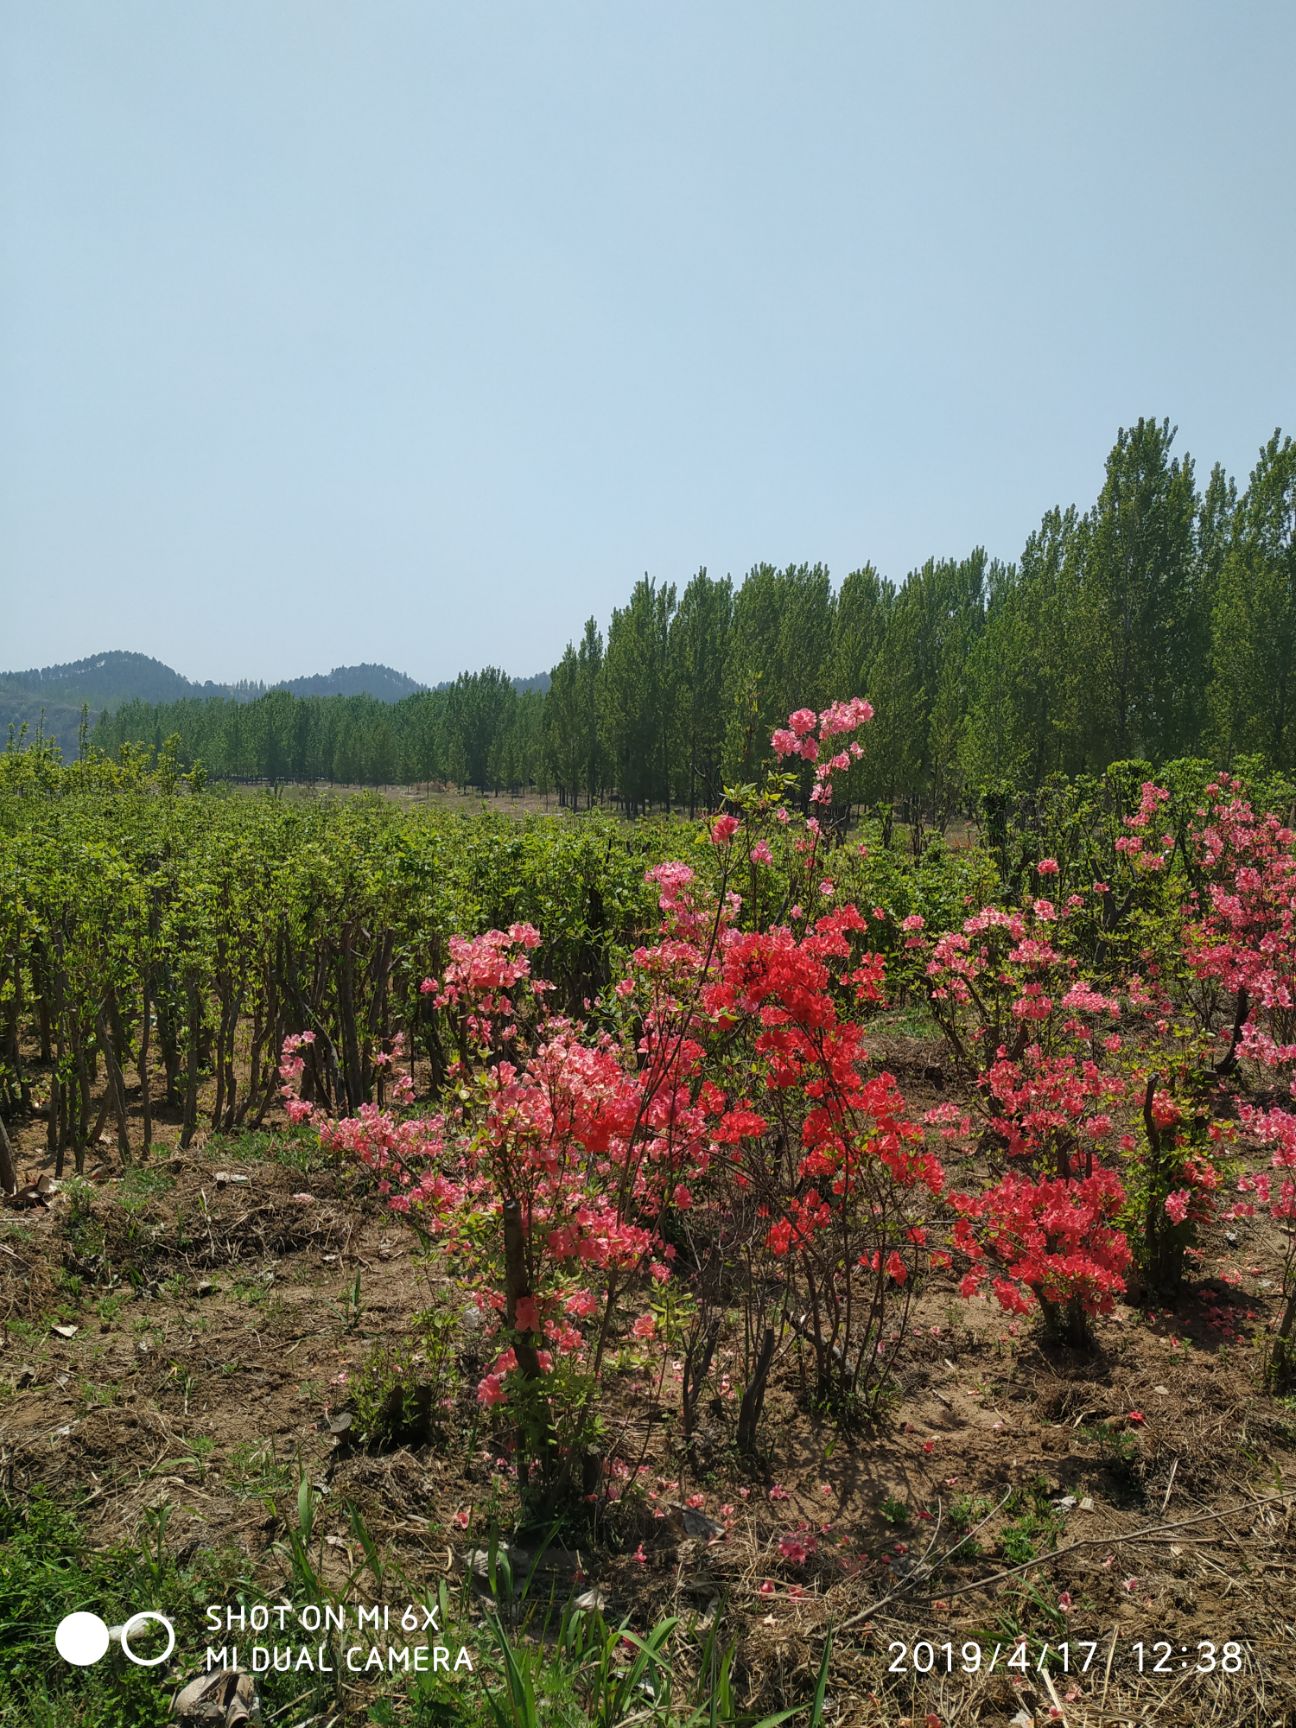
{"x": 1138, "y": 845}
{"x": 292, "y": 1066}
{"x": 807, "y": 734}
{"x": 1056, "y": 1240}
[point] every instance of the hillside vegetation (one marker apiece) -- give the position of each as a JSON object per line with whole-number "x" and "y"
{"x": 49, "y": 700}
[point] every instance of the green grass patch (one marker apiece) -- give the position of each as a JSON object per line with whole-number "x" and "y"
{"x": 584, "y": 1674}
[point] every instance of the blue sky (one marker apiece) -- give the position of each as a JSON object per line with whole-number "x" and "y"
{"x": 417, "y": 332}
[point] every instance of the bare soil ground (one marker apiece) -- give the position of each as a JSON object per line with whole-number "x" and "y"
{"x": 431, "y": 794}
{"x": 1141, "y": 1494}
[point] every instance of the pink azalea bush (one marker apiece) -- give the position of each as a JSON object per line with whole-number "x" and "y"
{"x": 594, "y": 1181}
{"x": 1242, "y": 936}
{"x": 727, "y": 1100}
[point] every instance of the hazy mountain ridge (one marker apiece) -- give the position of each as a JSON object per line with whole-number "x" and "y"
{"x": 105, "y": 679}
{"x": 52, "y": 696}
{"x": 366, "y": 679}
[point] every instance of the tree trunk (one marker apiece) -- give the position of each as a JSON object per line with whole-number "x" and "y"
{"x": 191, "y": 1069}
{"x": 8, "y": 1174}
{"x": 753, "y": 1399}
{"x": 535, "y": 1434}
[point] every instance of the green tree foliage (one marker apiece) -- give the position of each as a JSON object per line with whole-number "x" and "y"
{"x": 589, "y": 662}
{"x": 921, "y": 685}
{"x": 1253, "y": 691}
{"x": 1140, "y": 624}
{"x": 636, "y": 690}
{"x": 571, "y": 735}
{"x": 563, "y": 744}
{"x": 1158, "y": 624}
{"x": 184, "y": 933}
{"x": 779, "y": 657}
{"x": 1025, "y": 719}
{"x": 480, "y": 710}
{"x": 699, "y": 656}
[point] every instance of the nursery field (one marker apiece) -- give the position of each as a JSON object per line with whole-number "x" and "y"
{"x": 491, "y": 1269}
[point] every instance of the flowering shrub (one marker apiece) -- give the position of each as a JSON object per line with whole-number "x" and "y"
{"x": 1274, "y": 1133}
{"x": 1143, "y": 846}
{"x": 292, "y": 1071}
{"x": 1107, "y": 854}
{"x": 1001, "y": 986}
{"x": 1242, "y": 934}
{"x": 1057, "y": 1241}
{"x": 1175, "y": 1177}
{"x": 840, "y": 1203}
{"x": 705, "y": 1163}
{"x": 724, "y": 1108}
{"x": 1242, "y": 928}
{"x": 1059, "y": 1071}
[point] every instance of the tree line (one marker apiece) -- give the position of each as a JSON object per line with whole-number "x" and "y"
{"x": 1157, "y": 624}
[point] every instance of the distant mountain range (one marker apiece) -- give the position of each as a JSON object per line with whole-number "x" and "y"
{"x": 54, "y": 695}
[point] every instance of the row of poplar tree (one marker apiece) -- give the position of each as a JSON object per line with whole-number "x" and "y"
{"x": 1159, "y": 623}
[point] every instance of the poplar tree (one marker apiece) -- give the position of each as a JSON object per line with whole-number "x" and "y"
{"x": 1143, "y": 655}
{"x": 635, "y": 696}
{"x": 1253, "y": 691}
{"x": 699, "y": 654}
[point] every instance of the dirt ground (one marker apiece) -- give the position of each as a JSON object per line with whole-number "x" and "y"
{"x": 227, "y": 1305}
{"x": 428, "y": 794}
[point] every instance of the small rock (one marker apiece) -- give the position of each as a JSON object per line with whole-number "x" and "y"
{"x": 698, "y": 1524}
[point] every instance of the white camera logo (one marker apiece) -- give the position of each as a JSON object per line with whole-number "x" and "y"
{"x": 82, "y": 1639}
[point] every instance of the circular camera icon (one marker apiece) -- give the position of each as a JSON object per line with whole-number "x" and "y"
{"x": 134, "y": 1623}
{"x": 81, "y": 1639}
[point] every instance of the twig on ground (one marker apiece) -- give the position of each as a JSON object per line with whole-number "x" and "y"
{"x": 1152, "y": 1531}
{"x": 1169, "y": 1485}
